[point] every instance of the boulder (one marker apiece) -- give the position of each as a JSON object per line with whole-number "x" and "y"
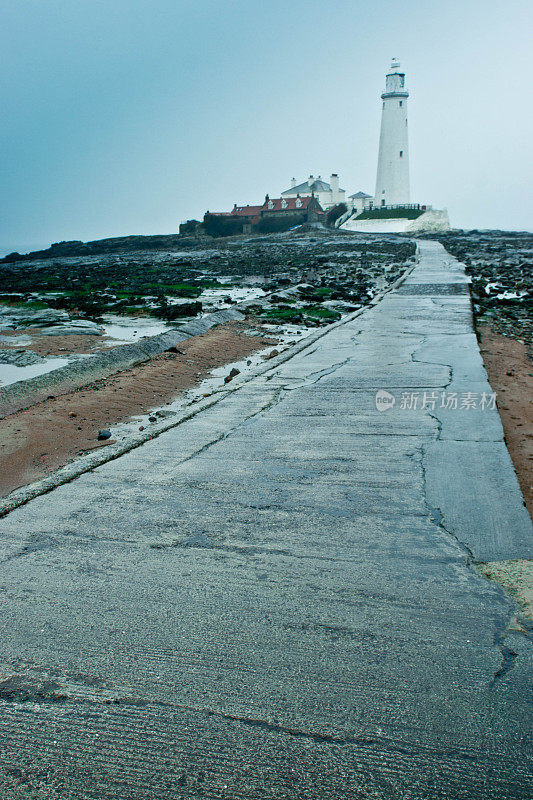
{"x": 19, "y": 358}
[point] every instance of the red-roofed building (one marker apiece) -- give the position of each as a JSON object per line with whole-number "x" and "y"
{"x": 291, "y": 205}
{"x": 243, "y": 219}
{"x": 249, "y": 213}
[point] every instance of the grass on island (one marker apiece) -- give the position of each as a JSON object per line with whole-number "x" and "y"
{"x": 391, "y": 213}
{"x": 308, "y": 314}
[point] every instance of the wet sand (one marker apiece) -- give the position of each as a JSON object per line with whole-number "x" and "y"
{"x": 510, "y": 372}
{"x": 62, "y": 345}
{"x": 517, "y": 577}
{"x": 40, "y": 439}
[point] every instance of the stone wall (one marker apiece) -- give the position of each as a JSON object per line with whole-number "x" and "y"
{"x": 430, "y": 221}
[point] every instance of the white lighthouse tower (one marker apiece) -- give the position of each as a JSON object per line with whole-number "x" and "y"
{"x": 392, "y": 182}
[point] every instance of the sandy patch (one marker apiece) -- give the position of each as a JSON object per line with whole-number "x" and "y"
{"x": 40, "y": 439}
{"x": 510, "y": 372}
{"x": 515, "y": 576}
{"x": 54, "y": 345}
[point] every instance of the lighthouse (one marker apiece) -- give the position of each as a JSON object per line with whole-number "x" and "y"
{"x": 392, "y": 182}
{"x": 390, "y": 211}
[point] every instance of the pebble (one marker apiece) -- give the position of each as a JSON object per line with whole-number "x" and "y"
{"x": 233, "y": 372}
{"x": 102, "y": 435}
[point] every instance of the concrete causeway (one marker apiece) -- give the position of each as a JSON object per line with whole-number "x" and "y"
{"x": 278, "y": 598}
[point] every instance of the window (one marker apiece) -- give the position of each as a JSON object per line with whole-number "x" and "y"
{"x": 383, "y": 202}
{"x": 383, "y": 191}
{"x": 401, "y": 153}
{"x": 401, "y": 103}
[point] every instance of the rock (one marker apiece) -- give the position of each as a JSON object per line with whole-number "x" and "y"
{"x": 103, "y": 435}
{"x": 178, "y": 310}
{"x": 51, "y": 322}
{"x": 254, "y": 308}
{"x": 22, "y": 341}
{"x": 232, "y": 374}
{"x": 273, "y": 353}
{"x": 304, "y": 288}
{"x": 72, "y": 328}
{"x": 19, "y": 358}
{"x": 152, "y": 419}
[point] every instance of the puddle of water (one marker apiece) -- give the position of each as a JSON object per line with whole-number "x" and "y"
{"x": 126, "y": 330}
{"x": 215, "y": 297}
{"x": 11, "y": 374}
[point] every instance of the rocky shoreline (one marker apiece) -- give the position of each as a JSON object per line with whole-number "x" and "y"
{"x": 73, "y": 375}
{"x": 315, "y": 276}
{"x": 500, "y": 264}
{"x": 304, "y": 278}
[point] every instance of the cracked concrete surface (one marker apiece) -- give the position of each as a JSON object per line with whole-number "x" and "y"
{"x": 278, "y": 597}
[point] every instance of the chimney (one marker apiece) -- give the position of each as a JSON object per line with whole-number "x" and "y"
{"x": 267, "y": 198}
{"x": 334, "y": 182}
{"x": 293, "y": 183}
{"x": 310, "y": 180}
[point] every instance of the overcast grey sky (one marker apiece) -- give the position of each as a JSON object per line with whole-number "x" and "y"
{"x": 129, "y": 116}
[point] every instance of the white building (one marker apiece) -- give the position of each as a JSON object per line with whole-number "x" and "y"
{"x": 327, "y": 194}
{"x": 359, "y": 202}
{"x": 391, "y": 210}
{"x": 392, "y": 182}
